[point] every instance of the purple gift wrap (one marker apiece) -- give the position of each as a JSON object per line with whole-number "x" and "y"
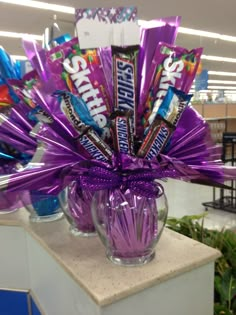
{"x": 129, "y": 225}
{"x": 37, "y": 57}
{"x": 151, "y": 33}
{"x": 76, "y": 205}
{"x": 172, "y": 66}
{"x": 13, "y": 134}
{"x": 106, "y": 60}
{"x": 10, "y": 202}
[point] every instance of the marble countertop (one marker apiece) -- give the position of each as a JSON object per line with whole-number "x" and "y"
{"x": 84, "y": 259}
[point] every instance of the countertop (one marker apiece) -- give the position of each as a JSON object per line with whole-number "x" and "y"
{"x": 84, "y": 259}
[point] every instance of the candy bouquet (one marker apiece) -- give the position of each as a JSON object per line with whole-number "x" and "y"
{"x": 18, "y": 116}
{"x": 112, "y": 123}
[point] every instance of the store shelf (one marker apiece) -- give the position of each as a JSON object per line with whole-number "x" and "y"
{"x": 227, "y": 197}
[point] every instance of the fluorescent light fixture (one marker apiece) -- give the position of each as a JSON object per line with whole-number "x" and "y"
{"x": 222, "y": 73}
{"x": 229, "y": 92}
{"x": 19, "y": 35}
{"x": 222, "y": 81}
{"x": 190, "y": 31}
{"x": 221, "y": 87}
{"x": 218, "y": 58}
{"x": 218, "y": 87}
{"x": 42, "y": 5}
{"x": 18, "y": 57}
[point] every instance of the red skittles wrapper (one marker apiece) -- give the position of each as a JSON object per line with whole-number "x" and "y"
{"x": 5, "y": 97}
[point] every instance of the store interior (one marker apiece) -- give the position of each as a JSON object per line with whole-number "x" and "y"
{"x": 208, "y": 24}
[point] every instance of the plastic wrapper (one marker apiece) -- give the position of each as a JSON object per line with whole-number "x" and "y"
{"x": 8, "y": 67}
{"x": 125, "y": 79}
{"x": 106, "y": 60}
{"x": 172, "y": 66}
{"x": 80, "y": 72}
{"x": 151, "y": 33}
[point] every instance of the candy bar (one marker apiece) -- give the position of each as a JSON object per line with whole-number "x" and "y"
{"x": 173, "y": 105}
{"x": 172, "y": 66}
{"x": 121, "y": 127}
{"x": 125, "y": 78}
{"x": 95, "y": 146}
{"x": 156, "y": 138}
{"x": 80, "y": 72}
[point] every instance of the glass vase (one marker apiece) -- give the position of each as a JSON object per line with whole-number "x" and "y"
{"x": 76, "y": 206}
{"x": 42, "y": 207}
{"x": 129, "y": 225}
{"x": 9, "y": 202}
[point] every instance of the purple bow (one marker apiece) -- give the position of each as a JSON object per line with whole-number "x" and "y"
{"x": 140, "y": 183}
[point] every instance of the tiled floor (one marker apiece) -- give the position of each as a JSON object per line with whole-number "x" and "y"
{"x": 187, "y": 199}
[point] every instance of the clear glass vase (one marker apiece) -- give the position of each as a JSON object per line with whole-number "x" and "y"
{"x": 129, "y": 225}
{"x": 76, "y": 205}
{"x": 9, "y": 202}
{"x": 42, "y": 207}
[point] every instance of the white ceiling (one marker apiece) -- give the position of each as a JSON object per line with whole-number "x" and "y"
{"x": 210, "y": 15}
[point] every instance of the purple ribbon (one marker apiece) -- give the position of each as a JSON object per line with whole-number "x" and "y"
{"x": 140, "y": 183}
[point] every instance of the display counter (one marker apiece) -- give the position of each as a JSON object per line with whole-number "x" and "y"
{"x": 71, "y": 276}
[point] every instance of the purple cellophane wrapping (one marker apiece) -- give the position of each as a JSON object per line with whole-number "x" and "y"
{"x": 79, "y": 208}
{"x": 130, "y": 222}
{"x": 9, "y": 201}
{"x": 106, "y": 60}
{"x": 150, "y": 35}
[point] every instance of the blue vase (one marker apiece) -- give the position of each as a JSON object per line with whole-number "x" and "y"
{"x": 42, "y": 207}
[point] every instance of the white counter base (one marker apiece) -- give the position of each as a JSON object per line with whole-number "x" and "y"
{"x": 31, "y": 259}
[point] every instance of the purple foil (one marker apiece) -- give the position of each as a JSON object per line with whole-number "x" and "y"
{"x": 79, "y": 208}
{"x": 55, "y": 150}
{"x": 60, "y": 123}
{"x": 13, "y": 134}
{"x": 153, "y": 32}
{"x": 10, "y": 202}
{"x": 19, "y": 115}
{"x": 194, "y": 146}
{"x": 129, "y": 223}
{"x": 37, "y": 57}
{"x": 106, "y": 60}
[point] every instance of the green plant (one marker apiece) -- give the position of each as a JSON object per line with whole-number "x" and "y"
{"x": 225, "y": 268}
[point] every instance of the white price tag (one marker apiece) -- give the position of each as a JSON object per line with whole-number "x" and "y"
{"x": 102, "y": 27}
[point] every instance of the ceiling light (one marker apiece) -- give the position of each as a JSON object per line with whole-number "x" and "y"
{"x": 190, "y": 31}
{"x": 221, "y": 81}
{"x": 222, "y": 73}
{"x": 214, "y": 91}
{"x": 220, "y": 87}
{"x": 218, "y": 58}
{"x": 16, "y": 57}
{"x": 19, "y": 35}
{"x": 42, "y": 5}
